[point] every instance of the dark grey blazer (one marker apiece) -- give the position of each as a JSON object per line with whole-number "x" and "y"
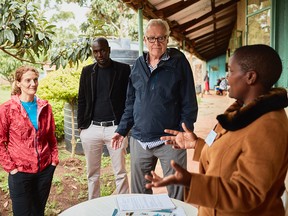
{"x": 88, "y": 88}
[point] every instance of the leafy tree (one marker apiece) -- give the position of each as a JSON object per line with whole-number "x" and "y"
{"x": 68, "y": 47}
{"x": 95, "y": 27}
{"x": 62, "y": 16}
{"x": 27, "y": 36}
{"x": 63, "y": 32}
{"x": 109, "y": 18}
{"x": 24, "y": 33}
{"x": 72, "y": 53}
{"x": 8, "y": 66}
{"x": 118, "y": 20}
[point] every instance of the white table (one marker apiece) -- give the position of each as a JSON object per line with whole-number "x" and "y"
{"x": 104, "y": 206}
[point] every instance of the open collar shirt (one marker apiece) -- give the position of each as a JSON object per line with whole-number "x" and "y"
{"x": 153, "y": 144}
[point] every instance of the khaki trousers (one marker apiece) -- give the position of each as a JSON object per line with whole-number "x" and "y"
{"x": 93, "y": 139}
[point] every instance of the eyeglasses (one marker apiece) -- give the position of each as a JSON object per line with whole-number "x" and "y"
{"x": 159, "y": 39}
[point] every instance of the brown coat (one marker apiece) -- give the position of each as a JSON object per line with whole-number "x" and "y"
{"x": 243, "y": 171}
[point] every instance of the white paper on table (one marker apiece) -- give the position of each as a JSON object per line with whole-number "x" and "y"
{"x": 179, "y": 211}
{"x": 138, "y": 203}
{"x": 146, "y": 213}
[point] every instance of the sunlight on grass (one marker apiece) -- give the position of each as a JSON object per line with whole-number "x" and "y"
{"x": 52, "y": 209}
{"x": 81, "y": 179}
{"x": 105, "y": 161}
{"x": 82, "y": 195}
{"x": 108, "y": 184}
{"x": 57, "y": 182}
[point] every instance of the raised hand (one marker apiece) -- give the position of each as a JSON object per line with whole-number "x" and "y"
{"x": 181, "y": 177}
{"x": 116, "y": 141}
{"x": 180, "y": 140}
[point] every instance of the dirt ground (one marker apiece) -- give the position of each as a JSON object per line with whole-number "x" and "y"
{"x": 69, "y": 187}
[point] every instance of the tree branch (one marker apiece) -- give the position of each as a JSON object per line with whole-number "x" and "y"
{"x": 21, "y": 59}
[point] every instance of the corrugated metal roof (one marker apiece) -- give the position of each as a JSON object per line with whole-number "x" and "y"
{"x": 205, "y": 25}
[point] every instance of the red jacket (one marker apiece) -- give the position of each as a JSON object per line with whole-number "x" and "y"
{"x": 21, "y": 146}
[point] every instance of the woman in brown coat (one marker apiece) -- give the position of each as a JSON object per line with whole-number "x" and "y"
{"x": 244, "y": 159}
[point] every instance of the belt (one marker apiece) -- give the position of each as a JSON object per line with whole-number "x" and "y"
{"x": 105, "y": 123}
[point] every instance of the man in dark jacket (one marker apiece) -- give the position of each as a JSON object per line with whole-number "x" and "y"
{"x": 101, "y": 103}
{"x": 161, "y": 94}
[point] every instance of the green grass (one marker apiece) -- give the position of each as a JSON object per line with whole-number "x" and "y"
{"x": 5, "y": 93}
{"x": 58, "y": 184}
{"x": 105, "y": 161}
{"x": 4, "y": 181}
{"x": 108, "y": 184}
{"x": 52, "y": 209}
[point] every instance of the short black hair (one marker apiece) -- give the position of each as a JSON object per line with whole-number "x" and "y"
{"x": 101, "y": 40}
{"x": 262, "y": 59}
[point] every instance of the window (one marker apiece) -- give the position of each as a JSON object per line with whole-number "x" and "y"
{"x": 258, "y": 21}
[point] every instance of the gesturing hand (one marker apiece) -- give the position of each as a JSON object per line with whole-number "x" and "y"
{"x": 180, "y": 140}
{"x": 181, "y": 177}
{"x": 116, "y": 141}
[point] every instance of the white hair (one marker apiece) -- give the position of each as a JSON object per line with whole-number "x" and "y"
{"x": 159, "y": 22}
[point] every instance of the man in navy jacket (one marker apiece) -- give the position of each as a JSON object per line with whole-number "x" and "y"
{"x": 161, "y": 94}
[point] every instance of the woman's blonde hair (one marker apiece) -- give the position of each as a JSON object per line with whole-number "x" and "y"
{"x": 18, "y": 76}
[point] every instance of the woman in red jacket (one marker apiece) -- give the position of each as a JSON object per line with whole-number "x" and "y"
{"x": 28, "y": 146}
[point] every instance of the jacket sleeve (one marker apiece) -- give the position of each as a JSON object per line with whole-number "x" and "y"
{"x": 260, "y": 169}
{"x": 52, "y": 138}
{"x": 189, "y": 108}
{"x": 81, "y": 100}
{"x": 198, "y": 149}
{"x": 127, "y": 120}
{"x": 5, "y": 159}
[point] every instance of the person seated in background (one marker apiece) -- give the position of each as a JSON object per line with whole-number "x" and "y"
{"x": 244, "y": 159}
{"x": 223, "y": 86}
{"x": 217, "y": 86}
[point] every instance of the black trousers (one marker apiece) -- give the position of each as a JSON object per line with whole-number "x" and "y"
{"x": 29, "y": 192}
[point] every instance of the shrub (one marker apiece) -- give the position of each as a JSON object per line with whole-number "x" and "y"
{"x": 59, "y": 87}
{"x": 57, "y": 107}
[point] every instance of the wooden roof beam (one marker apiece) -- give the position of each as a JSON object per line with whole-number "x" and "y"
{"x": 187, "y": 25}
{"x": 211, "y": 45}
{"x": 228, "y": 15}
{"x": 174, "y": 8}
{"x": 209, "y": 55}
{"x": 211, "y": 34}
